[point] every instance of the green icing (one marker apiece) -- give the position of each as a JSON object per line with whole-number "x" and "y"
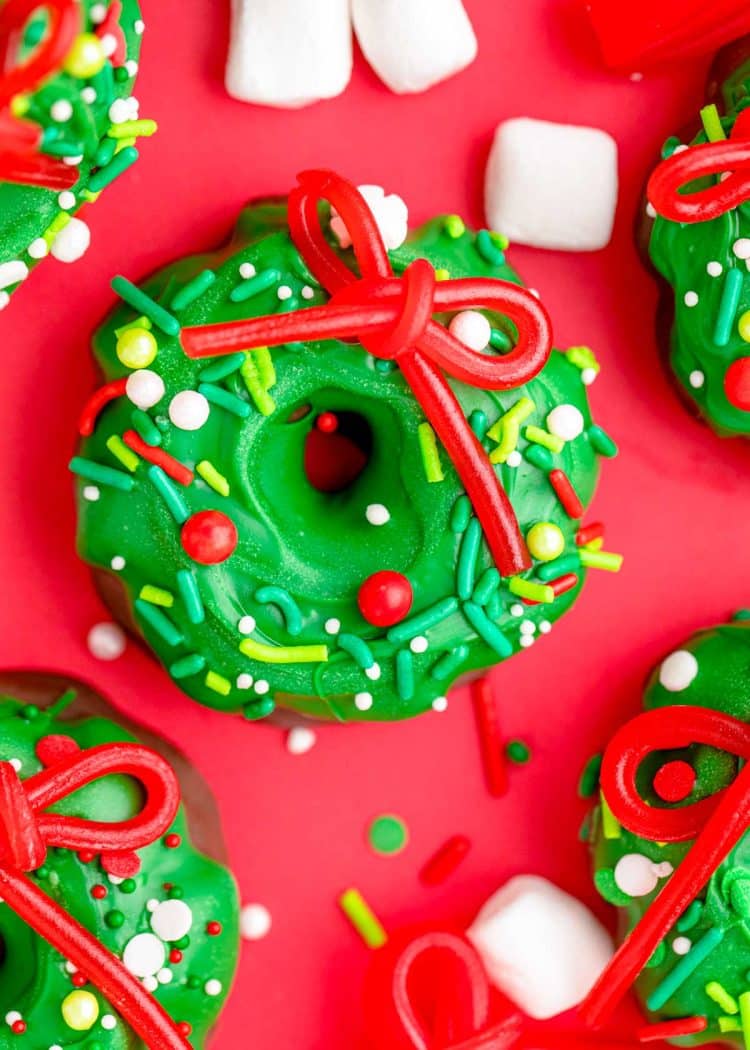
{"x": 30, "y": 212}
{"x": 699, "y": 262}
{"x": 33, "y": 976}
{"x": 315, "y": 548}
{"x": 722, "y": 682}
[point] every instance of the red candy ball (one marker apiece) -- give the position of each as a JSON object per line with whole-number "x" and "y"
{"x": 385, "y": 598}
{"x": 209, "y": 537}
{"x": 327, "y": 423}
{"x": 674, "y": 781}
{"x": 737, "y": 383}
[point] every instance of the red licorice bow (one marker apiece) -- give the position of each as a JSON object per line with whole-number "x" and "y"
{"x": 716, "y": 823}
{"x": 20, "y": 160}
{"x": 729, "y": 158}
{"x": 392, "y": 317}
{"x": 27, "y": 829}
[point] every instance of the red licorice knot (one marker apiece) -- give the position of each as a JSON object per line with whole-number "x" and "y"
{"x": 392, "y": 317}
{"x": 716, "y": 823}
{"x": 28, "y": 829}
{"x": 728, "y": 160}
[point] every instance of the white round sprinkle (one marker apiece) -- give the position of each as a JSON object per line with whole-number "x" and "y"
{"x": 284, "y": 292}
{"x": 566, "y": 422}
{"x": 150, "y": 984}
{"x": 152, "y": 905}
{"x": 544, "y": 626}
{"x": 419, "y": 644}
{"x": 139, "y": 26}
{"x": 696, "y": 379}
{"x": 332, "y": 626}
{"x": 244, "y": 681}
{"x": 516, "y": 609}
{"x": 144, "y": 388}
{"x": 440, "y": 704}
{"x": 663, "y": 869}
{"x": 373, "y": 673}
{"x": 680, "y": 148}
{"x": 116, "y": 880}
{"x": 189, "y": 410}
{"x": 526, "y": 641}
{"x": 678, "y": 671}
{"x": 98, "y": 13}
{"x": 528, "y": 627}
{"x": 70, "y": 967}
{"x": 91, "y": 493}
{"x": 106, "y": 641}
{"x": 88, "y": 94}
{"x": 255, "y": 922}
{"x": 144, "y": 955}
{"x": 61, "y": 111}
{"x": 262, "y": 687}
{"x": 472, "y": 329}
{"x": 212, "y": 987}
{"x": 120, "y": 111}
{"x": 67, "y": 200}
{"x": 377, "y": 514}
{"x": 308, "y": 292}
{"x": 741, "y": 248}
{"x": 118, "y": 563}
{"x": 171, "y": 919}
{"x": 300, "y": 740}
{"x": 514, "y": 458}
{"x": 247, "y": 270}
{"x": 72, "y": 242}
{"x": 246, "y": 625}
{"x": 635, "y": 875}
{"x": 38, "y": 249}
{"x": 714, "y": 268}
{"x": 363, "y": 701}
{"x": 164, "y": 976}
{"x": 681, "y": 945}
{"x": 12, "y": 1016}
{"x": 691, "y": 299}
{"x": 588, "y": 376}
{"x": 132, "y": 67}
{"x": 108, "y": 1022}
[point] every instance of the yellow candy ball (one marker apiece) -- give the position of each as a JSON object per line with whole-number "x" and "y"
{"x": 545, "y": 541}
{"x": 744, "y": 326}
{"x": 136, "y": 348}
{"x": 86, "y": 57}
{"x": 80, "y": 1010}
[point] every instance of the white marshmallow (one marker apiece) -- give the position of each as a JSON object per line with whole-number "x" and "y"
{"x": 413, "y": 44}
{"x": 289, "y": 53}
{"x": 552, "y": 185}
{"x": 541, "y": 947}
{"x": 390, "y": 213}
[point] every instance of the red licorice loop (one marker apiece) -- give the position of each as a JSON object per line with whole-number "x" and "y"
{"x": 28, "y": 829}
{"x": 392, "y": 317}
{"x": 729, "y": 158}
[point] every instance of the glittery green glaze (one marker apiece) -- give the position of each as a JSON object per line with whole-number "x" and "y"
{"x": 28, "y": 213}
{"x": 722, "y": 682}
{"x": 320, "y": 547}
{"x": 33, "y": 976}
{"x": 682, "y": 253}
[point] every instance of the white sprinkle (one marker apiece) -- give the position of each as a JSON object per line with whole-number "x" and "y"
{"x": 152, "y": 905}
{"x": 696, "y": 379}
{"x": 544, "y": 626}
{"x": 109, "y": 44}
{"x": 164, "y": 976}
{"x": 650, "y": 210}
{"x": 588, "y": 376}
{"x": 91, "y": 493}
{"x": 61, "y": 111}
{"x": 419, "y": 644}
{"x": 106, "y": 641}
{"x": 635, "y": 875}
{"x": 16, "y": 763}
{"x": 262, "y": 687}
{"x": 139, "y": 26}
{"x": 98, "y": 13}
{"x": 691, "y": 299}
{"x": 526, "y": 641}
{"x": 255, "y": 922}
{"x": 516, "y": 609}
{"x": 12, "y": 1016}
{"x": 120, "y": 111}
{"x": 246, "y": 625}
{"x": 300, "y": 740}
{"x": 108, "y": 1022}
{"x": 118, "y": 563}
{"x": 373, "y": 673}
{"x": 73, "y": 161}
{"x": 472, "y": 329}
{"x": 244, "y": 681}
{"x": 514, "y": 458}
{"x": 212, "y": 987}
{"x": 70, "y": 967}
{"x": 377, "y": 514}
{"x": 680, "y": 148}
{"x": 528, "y": 627}
{"x": 67, "y": 200}
{"x": 144, "y": 388}
{"x": 440, "y": 704}
{"x": 681, "y": 945}
{"x": 144, "y": 955}
{"x": 171, "y": 919}
{"x": 363, "y": 701}
{"x": 72, "y": 242}
{"x": 38, "y": 249}
{"x": 116, "y": 880}
{"x": 132, "y": 67}
{"x": 566, "y": 422}
{"x": 13, "y": 272}
{"x": 332, "y": 626}
{"x": 678, "y": 671}
{"x": 189, "y": 410}
{"x": 308, "y": 292}
{"x": 88, "y": 94}
{"x": 714, "y": 269}
{"x": 741, "y": 248}
{"x": 247, "y": 270}
{"x": 150, "y": 984}
{"x": 284, "y": 292}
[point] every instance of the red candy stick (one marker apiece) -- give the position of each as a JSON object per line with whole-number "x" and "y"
{"x": 171, "y": 466}
{"x": 716, "y": 823}
{"x": 392, "y": 317}
{"x": 445, "y": 860}
{"x": 490, "y": 737}
{"x": 98, "y": 400}
{"x": 730, "y": 157}
{"x": 28, "y": 829}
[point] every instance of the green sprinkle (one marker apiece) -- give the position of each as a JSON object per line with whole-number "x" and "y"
{"x": 686, "y": 967}
{"x": 388, "y": 835}
{"x": 691, "y": 916}
{"x": 145, "y": 305}
{"x": 712, "y": 124}
{"x": 658, "y": 957}
{"x": 358, "y": 649}
{"x": 588, "y": 784}
{"x": 212, "y": 477}
{"x": 130, "y": 129}
{"x": 488, "y": 249}
{"x": 488, "y": 584}
{"x": 460, "y": 514}
{"x": 188, "y": 588}
{"x": 454, "y": 226}
{"x": 145, "y": 427}
{"x": 604, "y": 880}
{"x": 119, "y": 164}
{"x": 582, "y": 357}
{"x": 559, "y": 567}
{"x": 721, "y": 997}
{"x": 218, "y": 684}
{"x": 405, "y": 674}
{"x": 363, "y": 918}
{"x": 478, "y": 423}
{"x": 223, "y": 367}
{"x": 430, "y": 455}
{"x": 156, "y": 596}
{"x": 601, "y": 560}
{"x": 282, "y": 598}
{"x": 450, "y": 662}
{"x": 105, "y": 151}
{"x": 86, "y": 468}
{"x": 127, "y": 886}
{"x": 518, "y": 752}
{"x": 193, "y": 290}
{"x": 158, "y": 622}
{"x": 730, "y": 300}
{"x": 535, "y": 592}
{"x": 255, "y": 710}
{"x": 176, "y": 505}
{"x": 261, "y": 282}
{"x": 188, "y": 666}
{"x": 467, "y": 559}
{"x": 487, "y": 630}
{"x": 539, "y": 457}
{"x": 114, "y": 919}
{"x": 670, "y": 145}
{"x": 218, "y": 396}
{"x": 499, "y": 340}
{"x": 543, "y": 437}
{"x": 120, "y": 451}
{"x": 601, "y": 441}
{"x": 408, "y": 629}
{"x": 251, "y": 377}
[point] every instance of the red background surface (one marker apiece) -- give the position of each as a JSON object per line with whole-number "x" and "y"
{"x": 675, "y": 502}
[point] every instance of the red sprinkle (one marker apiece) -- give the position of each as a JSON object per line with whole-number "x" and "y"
{"x": 674, "y": 781}
{"x": 559, "y": 586}
{"x": 385, "y": 598}
{"x": 96, "y": 403}
{"x": 99, "y": 892}
{"x": 209, "y": 537}
{"x": 490, "y": 739}
{"x": 79, "y": 979}
{"x": 18, "y": 1027}
{"x": 213, "y": 928}
{"x": 565, "y": 492}
{"x": 737, "y": 383}
{"x": 175, "y": 956}
{"x": 650, "y": 1033}
{"x": 445, "y": 860}
{"x": 176, "y": 470}
{"x": 589, "y": 533}
{"x": 327, "y": 423}
{"x": 172, "y": 841}
{"x": 184, "y": 1028}
{"x": 86, "y": 855}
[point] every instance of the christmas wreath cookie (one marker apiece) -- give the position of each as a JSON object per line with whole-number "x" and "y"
{"x": 119, "y": 929}
{"x": 331, "y": 492}
{"x": 68, "y": 122}
{"x": 670, "y": 844}
{"x": 698, "y": 227}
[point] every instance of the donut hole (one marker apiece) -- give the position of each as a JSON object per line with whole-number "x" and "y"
{"x": 333, "y": 460}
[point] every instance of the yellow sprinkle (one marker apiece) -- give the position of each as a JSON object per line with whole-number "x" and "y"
{"x": 721, "y": 997}
{"x": 745, "y": 1017}
{"x": 543, "y": 437}
{"x": 59, "y": 223}
{"x": 712, "y": 124}
{"x": 120, "y": 451}
{"x": 266, "y": 370}
{"x": 19, "y": 105}
{"x": 430, "y": 454}
{"x": 284, "y": 654}
{"x": 218, "y": 683}
{"x": 156, "y": 596}
{"x": 517, "y": 413}
{"x": 611, "y": 828}
{"x": 508, "y": 441}
{"x": 442, "y": 274}
{"x": 536, "y": 592}
{"x": 743, "y": 326}
{"x": 140, "y": 322}
{"x": 595, "y": 545}
{"x": 251, "y": 377}
{"x": 600, "y": 560}
{"x": 212, "y": 477}
{"x": 582, "y": 357}
{"x": 363, "y": 918}
{"x": 729, "y": 1024}
{"x": 131, "y": 128}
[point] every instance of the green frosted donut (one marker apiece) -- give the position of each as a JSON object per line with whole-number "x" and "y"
{"x": 712, "y": 669}
{"x": 188, "y": 969}
{"x": 89, "y": 119}
{"x": 705, "y": 263}
{"x": 279, "y": 622}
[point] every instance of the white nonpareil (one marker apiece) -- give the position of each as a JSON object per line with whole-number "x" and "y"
{"x": 289, "y": 53}
{"x": 414, "y": 44}
{"x": 541, "y": 947}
